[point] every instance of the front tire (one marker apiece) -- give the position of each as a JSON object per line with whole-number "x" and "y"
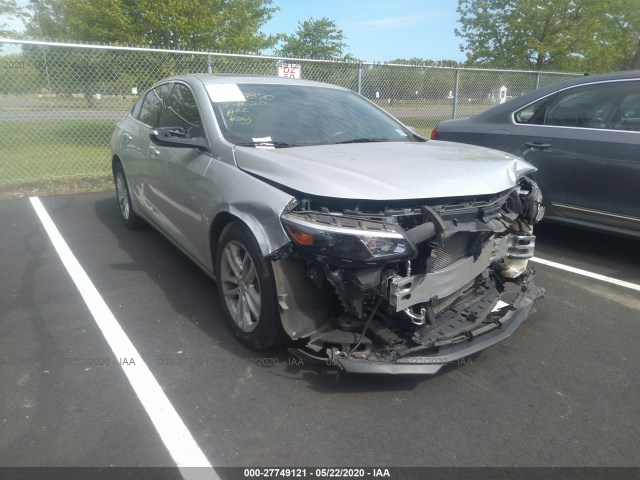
{"x": 246, "y": 288}
{"x": 129, "y": 217}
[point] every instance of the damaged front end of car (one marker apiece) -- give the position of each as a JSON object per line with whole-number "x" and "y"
{"x": 406, "y": 286}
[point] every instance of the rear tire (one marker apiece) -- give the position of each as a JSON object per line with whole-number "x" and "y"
{"x": 247, "y": 290}
{"x": 129, "y": 217}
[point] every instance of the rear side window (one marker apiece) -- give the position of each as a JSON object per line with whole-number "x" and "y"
{"x": 532, "y": 114}
{"x": 181, "y": 111}
{"x": 151, "y": 108}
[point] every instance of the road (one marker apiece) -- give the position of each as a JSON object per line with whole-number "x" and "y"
{"x": 44, "y": 115}
{"x": 561, "y": 392}
{"x": 12, "y": 111}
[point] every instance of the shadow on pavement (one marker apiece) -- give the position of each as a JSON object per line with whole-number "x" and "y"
{"x": 594, "y": 251}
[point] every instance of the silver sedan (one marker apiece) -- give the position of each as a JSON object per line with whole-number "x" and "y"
{"x": 329, "y": 225}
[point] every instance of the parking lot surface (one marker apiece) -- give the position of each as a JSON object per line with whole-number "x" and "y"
{"x": 561, "y": 392}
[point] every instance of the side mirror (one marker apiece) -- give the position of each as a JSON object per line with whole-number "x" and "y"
{"x": 177, "y": 137}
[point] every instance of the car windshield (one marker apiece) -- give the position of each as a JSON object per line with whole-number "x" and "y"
{"x": 279, "y": 115}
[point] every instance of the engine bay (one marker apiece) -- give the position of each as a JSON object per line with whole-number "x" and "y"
{"x": 367, "y": 283}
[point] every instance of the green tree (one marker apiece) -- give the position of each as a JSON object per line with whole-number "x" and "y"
{"x": 8, "y": 10}
{"x": 617, "y": 43}
{"x": 213, "y": 25}
{"x": 589, "y": 35}
{"x": 318, "y": 39}
{"x": 220, "y": 25}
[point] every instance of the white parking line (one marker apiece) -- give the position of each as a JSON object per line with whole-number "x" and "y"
{"x": 586, "y": 273}
{"x": 181, "y": 445}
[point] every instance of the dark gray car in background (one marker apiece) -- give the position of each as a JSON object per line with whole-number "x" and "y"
{"x": 584, "y": 138}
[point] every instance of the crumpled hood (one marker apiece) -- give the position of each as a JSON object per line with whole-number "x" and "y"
{"x": 386, "y": 171}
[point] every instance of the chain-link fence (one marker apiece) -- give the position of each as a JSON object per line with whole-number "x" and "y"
{"x": 59, "y": 102}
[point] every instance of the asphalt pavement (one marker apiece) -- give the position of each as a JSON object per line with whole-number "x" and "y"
{"x": 563, "y": 391}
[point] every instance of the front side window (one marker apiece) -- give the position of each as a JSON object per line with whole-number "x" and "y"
{"x": 628, "y": 118}
{"x": 181, "y": 111}
{"x": 300, "y": 115}
{"x": 151, "y": 108}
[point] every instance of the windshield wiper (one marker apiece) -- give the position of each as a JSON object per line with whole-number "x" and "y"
{"x": 364, "y": 140}
{"x": 267, "y": 144}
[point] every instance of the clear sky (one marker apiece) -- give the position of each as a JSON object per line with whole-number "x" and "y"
{"x": 380, "y": 30}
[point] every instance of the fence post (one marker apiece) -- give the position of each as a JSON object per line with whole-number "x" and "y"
{"x": 455, "y": 93}
{"x": 360, "y": 78}
{"x": 208, "y": 63}
{"x": 537, "y": 80}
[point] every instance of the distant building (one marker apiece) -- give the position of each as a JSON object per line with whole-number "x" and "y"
{"x": 498, "y": 95}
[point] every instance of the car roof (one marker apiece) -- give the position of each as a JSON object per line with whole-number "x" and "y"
{"x": 543, "y": 92}
{"x": 585, "y": 79}
{"x": 210, "y": 79}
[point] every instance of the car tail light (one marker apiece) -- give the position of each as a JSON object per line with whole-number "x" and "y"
{"x": 434, "y": 134}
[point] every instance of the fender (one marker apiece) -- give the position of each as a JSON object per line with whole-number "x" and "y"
{"x": 248, "y": 199}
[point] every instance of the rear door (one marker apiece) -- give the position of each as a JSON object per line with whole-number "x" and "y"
{"x": 145, "y": 174}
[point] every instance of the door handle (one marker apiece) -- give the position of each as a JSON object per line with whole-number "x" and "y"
{"x": 537, "y": 145}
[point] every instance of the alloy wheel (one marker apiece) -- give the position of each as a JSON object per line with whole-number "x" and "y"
{"x": 240, "y": 286}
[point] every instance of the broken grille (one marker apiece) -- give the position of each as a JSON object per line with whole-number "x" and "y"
{"x": 456, "y": 247}
{"x": 441, "y": 304}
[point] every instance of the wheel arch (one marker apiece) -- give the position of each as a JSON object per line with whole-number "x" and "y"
{"x": 217, "y": 226}
{"x": 115, "y": 160}
{"x": 226, "y": 217}
{"x": 137, "y": 221}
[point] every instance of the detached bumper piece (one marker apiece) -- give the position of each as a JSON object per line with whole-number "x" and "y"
{"x": 483, "y": 324}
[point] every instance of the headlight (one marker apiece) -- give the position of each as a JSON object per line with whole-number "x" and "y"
{"x": 347, "y": 238}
